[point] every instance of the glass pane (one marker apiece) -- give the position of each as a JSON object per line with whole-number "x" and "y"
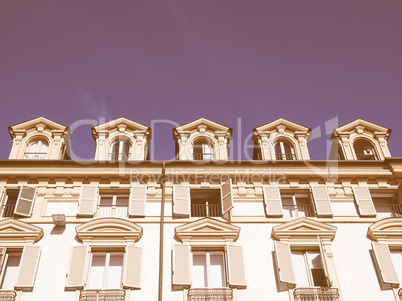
{"x": 115, "y": 271}
{"x": 97, "y": 271}
{"x": 122, "y": 201}
{"x": 11, "y": 272}
{"x": 106, "y": 201}
{"x": 317, "y": 269}
{"x": 199, "y": 271}
{"x": 397, "y": 260}
{"x": 299, "y": 268}
{"x": 217, "y": 275}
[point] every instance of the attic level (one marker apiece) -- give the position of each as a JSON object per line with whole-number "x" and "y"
{"x": 281, "y": 140}
{"x": 40, "y": 139}
{"x": 360, "y": 140}
{"x": 202, "y": 139}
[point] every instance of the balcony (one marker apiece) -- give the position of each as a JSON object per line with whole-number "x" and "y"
{"x": 112, "y": 211}
{"x": 400, "y": 294}
{"x": 7, "y": 295}
{"x": 298, "y": 210}
{"x": 35, "y": 156}
{"x": 210, "y": 294}
{"x": 8, "y": 211}
{"x": 102, "y": 295}
{"x": 316, "y": 294}
{"x": 285, "y": 156}
{"x": 388, "y": 210}
{"x": 206, "y": 210}
{"x": 119, "y": 157}
{"x": 365, "y": 157}
{"x": 203, "y": 156}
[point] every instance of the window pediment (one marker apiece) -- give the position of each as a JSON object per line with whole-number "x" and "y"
{"x": 207, "y": 230}
{"x": 16, "y": 233}
{"x": 122, "y": 124}
{"x": 303, "y": 229}
{"x": 203, "y": 123}
{"x": 360, "y": 126}
{"x": 109, "y": 231}
{"x": 388, "y": 229}
{"x": 281, "y": 125}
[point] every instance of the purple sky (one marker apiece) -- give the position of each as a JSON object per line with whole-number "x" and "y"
{"x": 308, "y": 61}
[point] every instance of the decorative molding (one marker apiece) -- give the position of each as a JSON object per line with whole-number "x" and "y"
{"x": 16, "y": 233}
{"x": 388, "y": 229}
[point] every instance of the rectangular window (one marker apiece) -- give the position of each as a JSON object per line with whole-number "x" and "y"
{"x": 106, "y": 270}
{"x": 10, "y": 270}
{"x": 386, "y": 204}
{"x": 297, "y": 205}
{"x": 112, "y": 204}
{"x": 308, "y": 269}
{"x": 205, "y": 203}
{"x": 10, "y": 200}
{"x": 208, "y": 269}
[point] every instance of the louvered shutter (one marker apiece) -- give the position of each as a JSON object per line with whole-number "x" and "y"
{"x": 273, "y": 201}
{"x": 324, "y": 261}
{"x": 321, "y": 201}
{"x": 181, "y": 200}
{"x": 364, "y": 201}
{"x": 284, "y": 262}
{"x": 132, "y": 267}
{"x": 226, "y": 197}
{"x": 236, "y": 275}
{"x": 78, "y": 267}
{"x": 138, "y": 196}
{"x": 88, "y": 200}
{"x": 384, "y": 263}
{"x": 181, "y": 265}
{"x": 25, "y": 201}
{"x": 28, "y": 267}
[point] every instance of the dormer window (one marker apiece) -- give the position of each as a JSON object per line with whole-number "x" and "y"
{"x": 284, "y": 151}
{"x": 364, "y": 150}
{"x": 120, "y": 151}
{"x": 203, "y": 149}
{"x": 37, "y": 150}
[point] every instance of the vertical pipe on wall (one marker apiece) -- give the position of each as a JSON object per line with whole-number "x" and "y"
{"x": 161, "y": 233}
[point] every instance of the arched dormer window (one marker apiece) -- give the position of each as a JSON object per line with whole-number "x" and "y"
{"x": 364, "y": 150}
{"x": 120, "y": 150}
{"x": 203, "y": 149}
{"x": 37, "y": 150}
{"x": 284, "y": 150}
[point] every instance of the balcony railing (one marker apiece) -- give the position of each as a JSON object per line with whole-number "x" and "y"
{"x": 365, "y": 157}
{"x": 285, "y": 156}
{"x": 119, "y": 157}
{"x": 400, "y": 294}
{"x": 102, "y": 295}
{"x": 206, "y": 210}
{"x": 298, "y": 210}
{"x": 112, "y": 211}
{"x": 35, "y": 156}
{"x": 7, "y": 295}
{"x": 203, "y": 156}
{"x": 388, "y": 210}
{"x": 8, "y": 211}
{"x": 210, "y": 294}
{"x": 316, "y": 294}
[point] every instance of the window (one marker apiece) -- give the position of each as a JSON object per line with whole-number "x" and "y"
{"x": 120, "y": 151}
{"x": 203, "y": 149}
{"x": 284, "y": 151}
{"x": 37, "y": 150}
{"x": 364, "y": 150}
{"x": 18, "y": 202}
{"x": 297, "y": 205}
{"x": 113, "y": 204}
{"x": 309, "y": 269}
{"x": 208, "y": 269}
{"x": 202, "y": 202}
{"x": 106, "y": 270}
{"x": 386, "y": 203}
{"x": 11, "y": 263}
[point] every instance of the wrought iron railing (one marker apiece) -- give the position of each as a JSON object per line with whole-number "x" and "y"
{"x": 7, "y": 295}
{"x": 112, "y": 211}
{"x": 203, "y": 156}
{"x": 400, "y": 294}
{"x": 316, "y": 294}
{"x": 388, "y": 210}
{"x": 206, "y": 210}
{"x": 103, "y": 295}
{"x": 119, "y": 157}
{"x": 35, "y": 156}
{"x": 298, "y": 210}
{"x": 285, "y": 156}
{"x": 8, "y": 211}
{"x": 365, "y": 157}
{"x": 210, "y": 294}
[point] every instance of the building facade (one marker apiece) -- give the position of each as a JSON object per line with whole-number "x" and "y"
{"x": 202, "y": 227}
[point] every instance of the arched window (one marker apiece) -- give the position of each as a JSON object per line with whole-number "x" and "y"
{"x": 37, "y": 150}
{"x": 120, "y": 150}
{"x": 203, "y": 149}
{"x": 364, "y": 150}
{"x": 284, "y": 151}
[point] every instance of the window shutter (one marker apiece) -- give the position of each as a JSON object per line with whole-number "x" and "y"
{"x": 25, "y": 201}
{"x": 226, "y": 196}
{"x": 78, "y": 267}
{"x": 384, "y": 263}
{"x": 364, "y": 201}
{"x": 284, "y": 262}
{"x": 181, "y": 265}
{"x": 2, "y": 256}
{"x": 324, "y": 261}
{"x": 181, "y": 200}
{"x": 1, "y": 193}
{"x": 138, "y": 196}
{"x": 88, "y": 200}
{"x": 235, "y": 265}
{"x": 132, "y": 267}
{"x": 321, "y": 201}
{"x": 273, "y": 201}
{"x": 28, "y": 267}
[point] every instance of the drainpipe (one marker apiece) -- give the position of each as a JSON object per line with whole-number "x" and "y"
{"x": 161, "y": 233}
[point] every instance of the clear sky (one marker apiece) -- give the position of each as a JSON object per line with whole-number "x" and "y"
{"x": 240, "y": 63}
